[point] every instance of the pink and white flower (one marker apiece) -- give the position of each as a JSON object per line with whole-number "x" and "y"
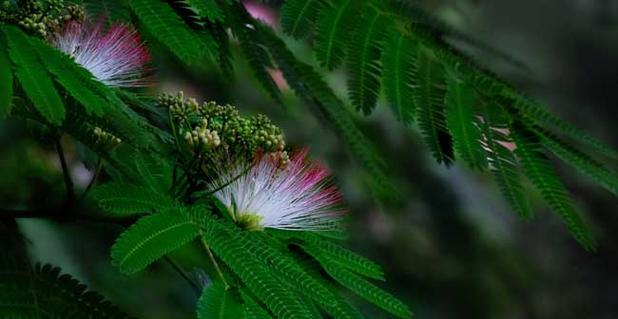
{"x": 115, "y": 57}
{"x": 295, "y": 197}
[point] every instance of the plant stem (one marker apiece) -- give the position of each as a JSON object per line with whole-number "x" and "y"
{"x": 183, "y": 274}
{"x": 94, "y": 178}
{"x": 214, "y": 262}
{"x": 65, "y": 171}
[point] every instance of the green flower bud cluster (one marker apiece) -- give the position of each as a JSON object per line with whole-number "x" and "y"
{"x": 201, "y": 138}
{"x": 106, "y": 138}
{"x": 43, "y": 18}
{"x": 221, "y": 130}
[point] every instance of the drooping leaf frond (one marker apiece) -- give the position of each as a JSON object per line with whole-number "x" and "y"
{"x": 287, "y": 268}
{"x": 502, "y": 161}
{"x": 315, "y": 92}
{"x": 283, "y": 302}
{"x": 331, "y": 251}
{"x": 333, "y": 29}
{"x": 363, "y": 61}
{"x": 398, "y": 60}
{"x": 32, "y": 76}
{"x": 364, "y": 288}
{"x": 538, "y": 168}
{"x": 416, "y": 65}
{"x": 429, "y": 96}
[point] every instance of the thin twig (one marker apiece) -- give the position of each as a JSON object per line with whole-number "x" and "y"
{"x": 214, "y": 262}
{"x": 65, "y": 171}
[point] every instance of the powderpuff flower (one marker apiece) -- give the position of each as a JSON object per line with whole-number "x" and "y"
{"x": 295, "y": 197}
{"x": 116, "y": 56}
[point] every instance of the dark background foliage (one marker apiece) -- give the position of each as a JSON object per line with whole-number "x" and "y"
{"x": 451, "y": 248}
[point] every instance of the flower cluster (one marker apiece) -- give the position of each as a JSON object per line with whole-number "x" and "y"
{"x": 41, "y": 18}
{"x": 115, "y": 56}
{"x": 296, "y": 197}
{"x": 219, "y": 130}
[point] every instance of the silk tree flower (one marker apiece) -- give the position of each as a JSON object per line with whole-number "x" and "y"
{"x": 297, "y": 196}
{"x": 116, "y": 56}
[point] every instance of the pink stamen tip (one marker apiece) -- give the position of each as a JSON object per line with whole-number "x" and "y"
{"x": 116, "y": 56}
{"x": 298, "y": 197}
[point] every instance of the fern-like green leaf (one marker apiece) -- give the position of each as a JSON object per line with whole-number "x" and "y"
{"x": 429, "y": 96}
{"x": 6, "y": 79}
{"x": 32, "y": 76}
{"x": 365, "y": 289}
{"x": 151, "y": 238}
{"x": 299, "y": 16}
{"x": 502, "y": 161}
{"x": 71, "y": 77}
{"x": 308, "y": 283}
{"x": 582, "y": 162}
{"x": 333, "y": 28}
{"x": 364, "y": 68}
{"x": 398, "y": 60}
{"x": 462, "y": 124}
{"x": 208, "y": 9}
{"x": 540, "y": 171}
{"x": 218, "y": 302}
{"x": 161, "y": 22}
{"x": 283, "y": 302}
{"x": 120, "y": 199}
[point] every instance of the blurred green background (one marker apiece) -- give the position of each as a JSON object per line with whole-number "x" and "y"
{"x": 451, "y": 247}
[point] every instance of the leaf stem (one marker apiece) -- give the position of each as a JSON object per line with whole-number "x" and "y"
{"x": 214, "y": 262}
